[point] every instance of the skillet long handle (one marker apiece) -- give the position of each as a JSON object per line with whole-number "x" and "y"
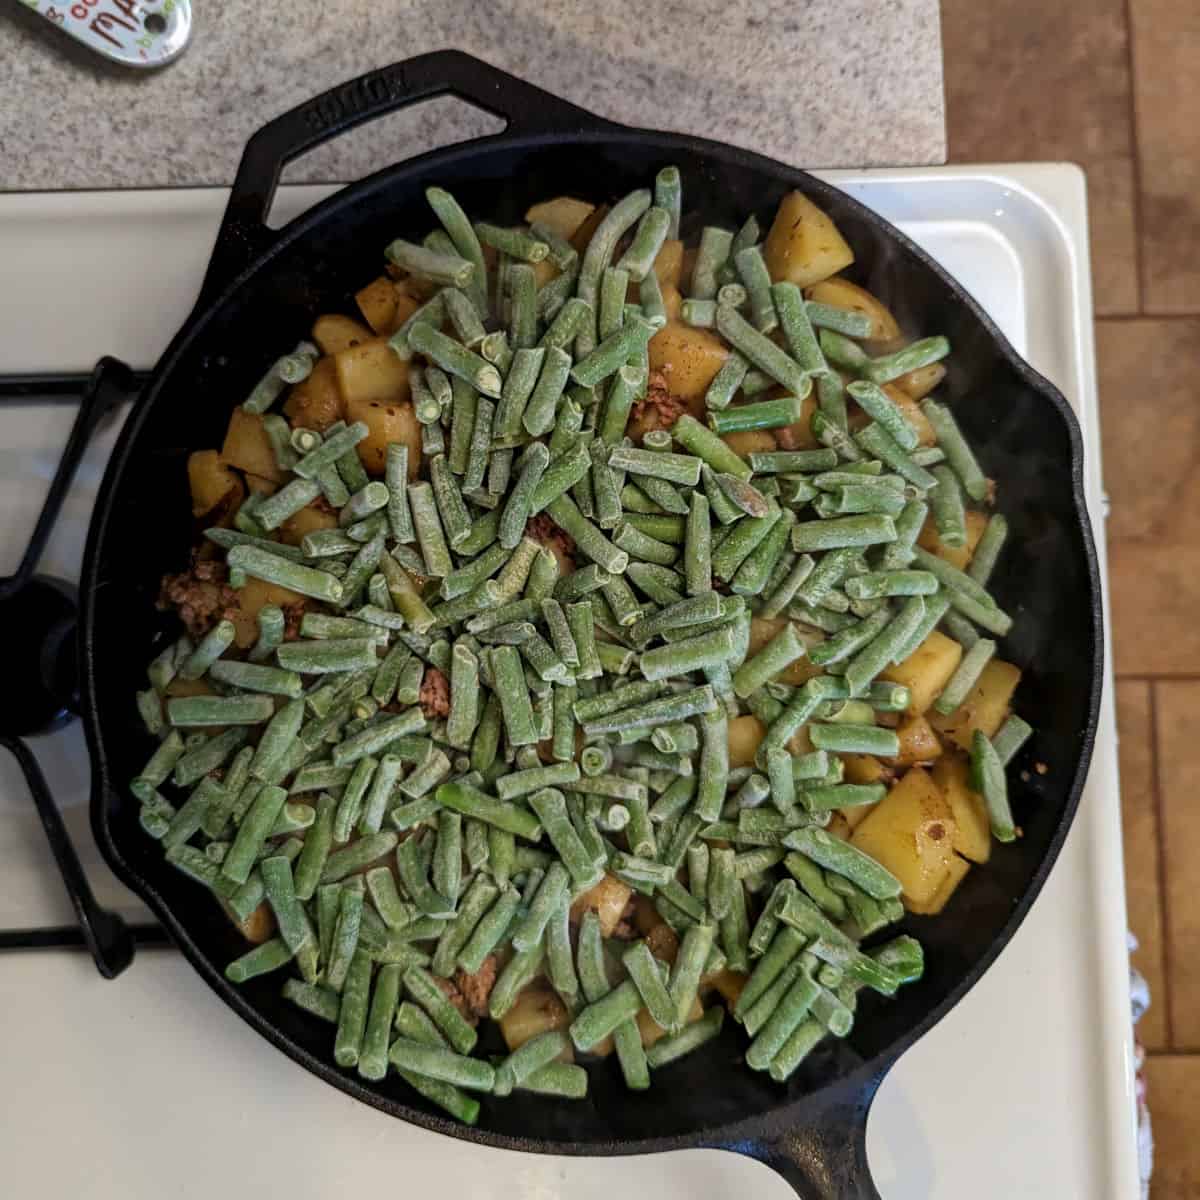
{"x": 824, "y": 1155}
{"x": 525, "y": 109}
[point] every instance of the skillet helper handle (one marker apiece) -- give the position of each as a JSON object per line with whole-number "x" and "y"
{"x": 825, "y": 1157}
{"x": 526, "y": 109}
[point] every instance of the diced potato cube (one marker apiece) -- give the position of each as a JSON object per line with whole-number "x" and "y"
{"x": 251, "y": 598}
{"x": 985, "y": 707}
{"x": 607, "y": 900}
{"x": 853, "y": 816}
{"x": 564, "y": 214}
{"x": 335, "y": 332}
{"x": 885, "y": 334}
{"x": 728, "y": 985}
{"x": 247, "y": 446}
{"x": 307, "y": 520}
{"x": 958, "y": 556}
{"x": 258, "y": 926}
{"x": 537, "y": 1010}
{"x": 370, "y": 372}
{"x": 918, "y": 743}
{"x": 378, "y": 302}
{"x": 803, "y": 245}
{"x": 652, "y": 1031}
{"x": 926, "y": 671}
{"x": 210, "y": 481}
{"x": 668, "y": 265}
{"x": 864, "y": 768}
{"x": 972, "y": 829}
{"x": 920, "y": 382}
{"x": 750, "y": 441}
{"x": 910, "y": 832}
{"x": 689, "y": 358}
{"x": 260, "y": 486}
{"x": 316, "y": 402}
{"x": 956, "y": 870}
{"x": 745, "y": 735}
{"x": 387, "y": 422}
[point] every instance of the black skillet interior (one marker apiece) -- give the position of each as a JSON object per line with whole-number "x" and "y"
{"x": 1021, "y": 427}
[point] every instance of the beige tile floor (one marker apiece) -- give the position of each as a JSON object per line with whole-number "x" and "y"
{"x": 1115, "y": 86}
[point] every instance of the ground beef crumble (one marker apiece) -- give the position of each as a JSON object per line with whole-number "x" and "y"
{"x": 200, "y": 595}
{"x": 435, "y": 694}
{"x": 470, "y": 993}
{"x": 660, "y": 409}
{"x": 293, "y": 614}
{"x": 546, "y": 533}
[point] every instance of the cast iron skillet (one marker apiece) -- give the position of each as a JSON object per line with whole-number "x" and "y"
{"x": 264, "y": 287}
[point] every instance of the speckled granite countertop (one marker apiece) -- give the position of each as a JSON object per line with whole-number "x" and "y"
{"x": 811, "y": 82}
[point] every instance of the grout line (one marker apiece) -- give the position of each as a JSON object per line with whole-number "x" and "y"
{"x": 1161, "y": 837}
{"x": 1133, "y": 677}
{"x": 1129, "y": 318}
{"x": 1138, "y": 257}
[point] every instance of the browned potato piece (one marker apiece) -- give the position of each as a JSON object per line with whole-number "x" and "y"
{"x": 251, "y": 598}
{"x": 804, "y": 245}
{"x": 663, "y": 942}
{"x": 258, "y": 926}
{"x": 307, "y": 520}
{"x": 728, "y": 985}
{"x": 920, "y": 382}
{"x": 607, "y": 900}
{"x": 334, "y": 333}
{"x": 958, "y": 556}
{"x": 394, "y": 422}
{"x": 956, "y": 870}
{"x": 316, "y": 403}
{"x": 564, "y": 214}
{"x": 651, "y": 1030}
{"x": 371, "y": 372}
{"x": 841, "y": 293}
{"x": 406, "y": 305}
{"x": 672, "y": 302}
{"x": 839, "y": 826}
{"x": 973, "y": 830}
{"x": 800, "y": 435}
{"x": 377, "y": 302}
{"x": 913, "y": 414}
{"x": 210, "y": 480}
{"x": 918, "y": 743}
{"x": 985, "y": 707}
{"x": 260, "y": 486}
{"x": 926, "y": 670}
{"x": 668, "y": 265}
{"x": 688, "y": 359}
{"x": 247, "y": 447}
{"x": 910, "y": 832}
{"x": 745, "y": 734}
{"x": 536, "y": 1010}
{"x": 750, "y": 441}
{"x": 864, "y": 768}
{"x": 853, "y": 815}
{"x": 762, "y": 630}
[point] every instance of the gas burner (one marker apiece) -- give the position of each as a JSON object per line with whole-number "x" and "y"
{"x": 43, "y": 668}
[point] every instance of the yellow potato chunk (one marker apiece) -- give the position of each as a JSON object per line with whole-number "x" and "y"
{"x": 564, "y": 214}
{"x": 750, "y": 441}
{"x": 335, "y": 332}
{"x": 918, "y": 743}
{"x": 972, "y": 829}
{"x": 910, "y": 832}
{"x": 745, "y": 735}
{"x": 956, "y": 870}
{"x": 985, "y": 707}
{"x": 378, "y": 302}
{"x": 537, "y": 1010}
{"x": 210, "y": 481}
{"x": 247, "y": 447}
{"x": 863, "y": 768}
{"x": 251, "y": 598}
{"x": 920, "y": 382}
{"x": 607, "y": 900}
{"x": 885, "y": 334}
{"x": 370, "y": 372}
{"x": 958, "y": 556}
{"x": 308, "y": 520}
{"x": 668, "y": 265}
{"x": 926, "y": 670}
{"x": 689, "y": 358}
{"x": 316, "y": 402}
{"x": 386, "y": 422}
{"x": 804, "y": 245}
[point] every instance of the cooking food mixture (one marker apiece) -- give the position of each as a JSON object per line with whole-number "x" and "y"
{"x": 592, "y": 636}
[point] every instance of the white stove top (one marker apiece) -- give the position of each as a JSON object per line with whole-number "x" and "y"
{"x": 1025, "y": 1089}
